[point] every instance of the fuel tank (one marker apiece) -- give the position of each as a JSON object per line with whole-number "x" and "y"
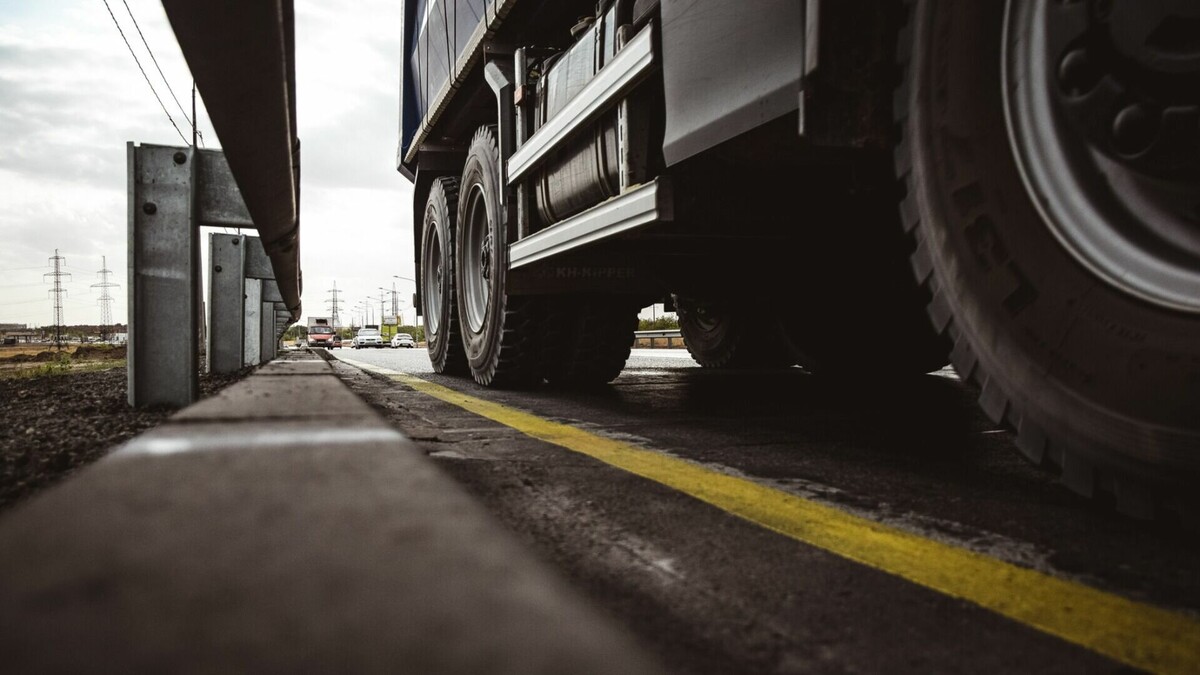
{"x": 587, "y": 171}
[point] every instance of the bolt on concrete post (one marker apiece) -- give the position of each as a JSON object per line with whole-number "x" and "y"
{"x": 252, "y": 342}
{"x": 226, "y": 302}
{"x": 164, "y": 277}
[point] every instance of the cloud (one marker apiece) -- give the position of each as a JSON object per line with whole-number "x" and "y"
{"x": 72, "y": 97}
{"x": 83, "y": 224}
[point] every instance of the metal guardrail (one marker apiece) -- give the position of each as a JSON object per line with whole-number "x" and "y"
{"x": 242, "y": 56}
{"x": 658, "y": 338}
{"x": 658, "y": 333}
{"x": 173, "y": 191}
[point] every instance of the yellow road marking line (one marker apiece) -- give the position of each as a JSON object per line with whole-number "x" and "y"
{"x": 1136, "y": 634}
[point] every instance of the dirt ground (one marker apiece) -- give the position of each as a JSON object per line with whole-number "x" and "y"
{"x": 30, "y": 360}
{"x": 58, "y": 417}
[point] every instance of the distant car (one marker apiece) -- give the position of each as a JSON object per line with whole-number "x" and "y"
{"x": 403, "y": 340}
{"x": 336, "y": 342}
{"x": 368, "y": 337}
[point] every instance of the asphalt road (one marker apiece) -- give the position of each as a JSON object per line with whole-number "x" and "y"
{"x": 746, "y": 522}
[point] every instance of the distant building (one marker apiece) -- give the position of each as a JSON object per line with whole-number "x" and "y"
{"x": 656, "y": 311}
{"x": 13, "y": 333}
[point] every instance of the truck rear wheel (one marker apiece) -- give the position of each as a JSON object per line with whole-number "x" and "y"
{"x": 442, "y": 331}
{"x": 586, "y": 341}
{"x": 720, "y": 336}
{"x": 1067, "y": 301}
{"x": 499, "y": 330}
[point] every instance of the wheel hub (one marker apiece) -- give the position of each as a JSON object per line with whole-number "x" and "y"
{"x": 432, "y": 282}
{"x": 1102, "y": 100}
{"x": 485, "y": 257}
{"x": 477, "y": 258}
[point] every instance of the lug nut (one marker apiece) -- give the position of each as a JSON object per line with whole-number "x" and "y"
{"x": 1077, "y": 75}
{"x": 1134, "y": 129}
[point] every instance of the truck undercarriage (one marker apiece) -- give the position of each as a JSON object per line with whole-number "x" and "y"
{"x": 857, "y": 188}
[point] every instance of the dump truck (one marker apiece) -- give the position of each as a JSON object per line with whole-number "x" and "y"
{"x": 865, "y": 189}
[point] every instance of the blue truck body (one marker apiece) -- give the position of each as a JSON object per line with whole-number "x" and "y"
{"x": 707, "y": 49}
{"x": 437, "y": 35}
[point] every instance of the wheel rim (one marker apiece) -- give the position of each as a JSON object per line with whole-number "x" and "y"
{"x": 1103, "y": 114}
{"x": 432, "y": 267}
{"x": 477, "y": 260}
{"x": 704, "y": 321}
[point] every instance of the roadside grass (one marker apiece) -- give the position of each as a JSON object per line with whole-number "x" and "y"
{"x": 62, "y": 365}
{"x": 661, "y": 323}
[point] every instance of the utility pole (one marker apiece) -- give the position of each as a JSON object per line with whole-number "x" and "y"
{"x": 58, "y": 263}
{"x": 194, "y": 120}
{"x": 334, "y": 304}
{"x": 364, "y": 307}
{"x": 381, "y": 292}
{"x": 395, "y": 305}
{"x": 105, "y": 299}
{"x": 416, "y": 315}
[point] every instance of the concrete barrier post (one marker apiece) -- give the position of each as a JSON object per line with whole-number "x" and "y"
{"x": 270, "y": 333}
{"x": 283, "y": 318}
{"x": 164, "y": 276}
{"x": 173, "y": 192}
{"x": 226, "y": 302}
{"x": 252, "y": 325}
{"x": 261, "y": 289}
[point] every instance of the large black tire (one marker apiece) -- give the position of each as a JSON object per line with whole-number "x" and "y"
{"x": 718, "y": 335}
{"x": 586, "y": 341}
{"x": 444, "y": 337}
{"x": 499, "y": 330}
{"x": 1095, "y": 382}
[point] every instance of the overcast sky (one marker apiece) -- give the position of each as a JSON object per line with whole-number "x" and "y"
{"x": 71, "y": 96}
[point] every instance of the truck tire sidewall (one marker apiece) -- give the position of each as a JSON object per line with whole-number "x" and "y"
{"x": 585, "y": 341}
{"x": 713, "y": 340}
{"x": 1060, "y": 354}
{"x": 732, "y": 336}
{"x": 482, "y": 346}
{"x": 436, "y": 230}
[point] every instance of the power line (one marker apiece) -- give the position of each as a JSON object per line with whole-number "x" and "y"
{"x": 149, "y": 51}
{"x": 22, "y": 269}
{"x": 24, "y": 285}
{"x": 23, "y": 302}
{"x": 144, "y": 75}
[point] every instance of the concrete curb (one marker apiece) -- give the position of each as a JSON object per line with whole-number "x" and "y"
{"x": 283, "y": 526}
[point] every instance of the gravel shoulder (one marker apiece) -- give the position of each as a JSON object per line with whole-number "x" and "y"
{"x": 60, "y": 419}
